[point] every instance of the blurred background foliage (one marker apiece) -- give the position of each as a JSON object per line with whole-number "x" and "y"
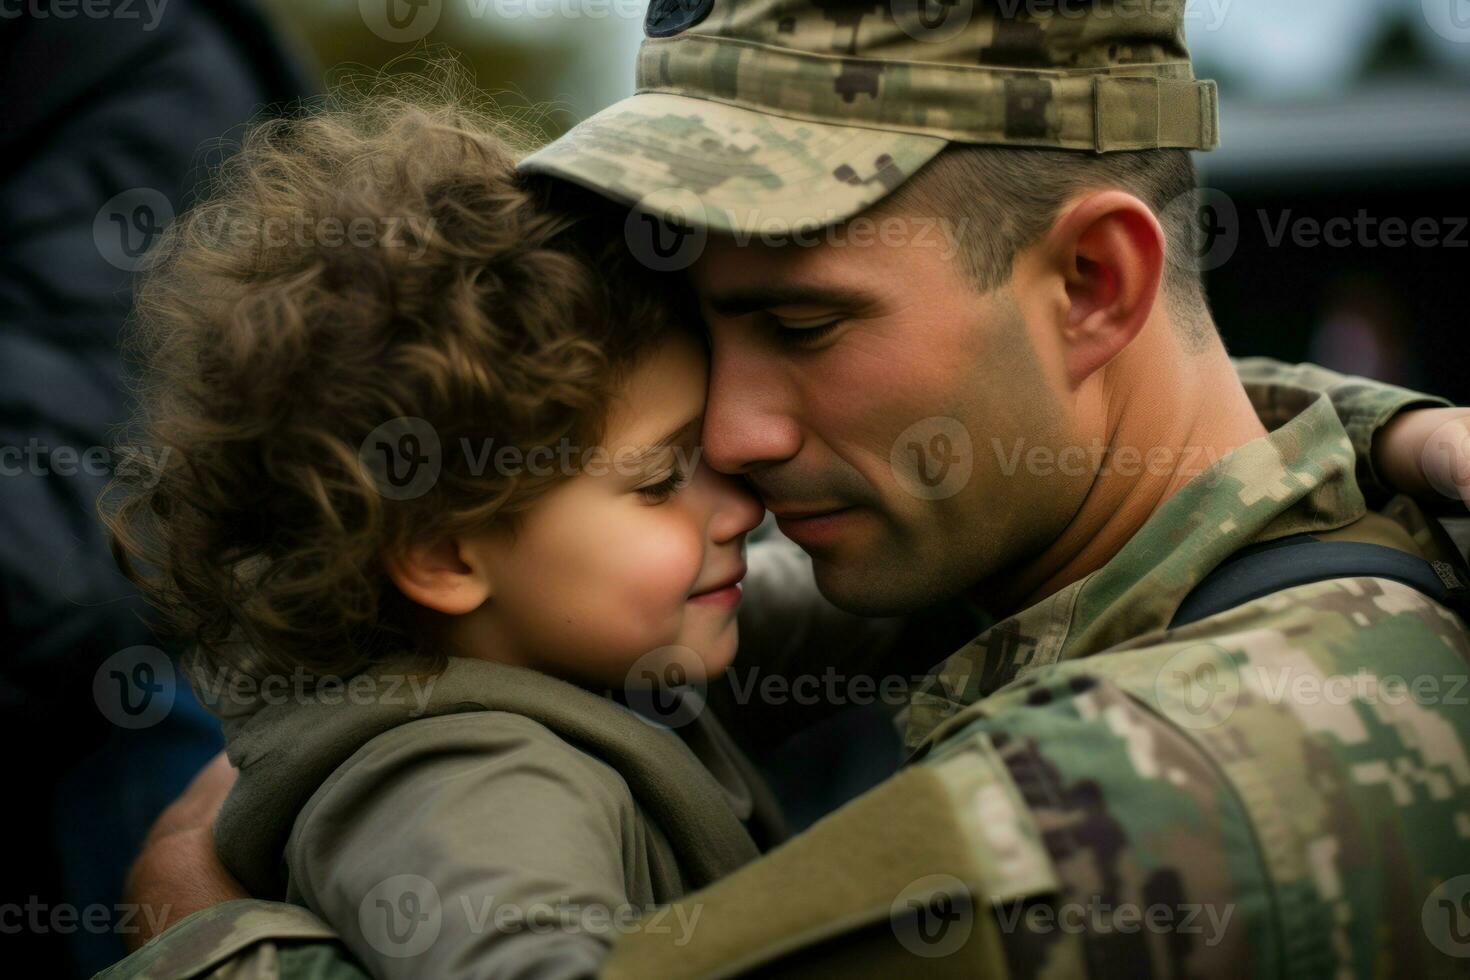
{"x": 555, "y": 61}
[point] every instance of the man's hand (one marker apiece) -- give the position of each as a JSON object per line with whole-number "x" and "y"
{"x": 1426, "y": 453}
{"x": 178, "y": 872}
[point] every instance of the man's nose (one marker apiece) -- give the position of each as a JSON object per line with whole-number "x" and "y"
{"x": 748, "y": 417}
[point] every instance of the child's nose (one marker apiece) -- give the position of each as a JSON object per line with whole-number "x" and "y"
{"x": 737, "y": 510}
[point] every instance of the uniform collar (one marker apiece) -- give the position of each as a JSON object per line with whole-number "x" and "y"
{"x": 1297, "y": 479}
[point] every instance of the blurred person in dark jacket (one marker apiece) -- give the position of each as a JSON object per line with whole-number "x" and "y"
{"x": 107, "y": 106}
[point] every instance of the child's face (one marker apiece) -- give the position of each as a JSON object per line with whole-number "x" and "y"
{"x": 616, "y": 563}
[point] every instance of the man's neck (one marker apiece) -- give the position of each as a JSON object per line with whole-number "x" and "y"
{"x": 1159, "y": 436}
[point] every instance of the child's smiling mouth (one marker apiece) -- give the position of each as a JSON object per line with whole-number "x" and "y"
{"x": 726, "y": 592}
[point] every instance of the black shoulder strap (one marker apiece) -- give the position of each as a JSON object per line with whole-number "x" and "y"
{"x": 1302, "y": 559}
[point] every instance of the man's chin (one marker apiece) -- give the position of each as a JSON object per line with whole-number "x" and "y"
{"x": 872, "y": 587}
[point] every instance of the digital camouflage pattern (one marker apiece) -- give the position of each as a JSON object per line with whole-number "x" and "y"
{"x": 1285, "y": 786}
{"x": 780, "y": 115}
{"x": 1302, "y": 758}
{"x": 244, "y": 940}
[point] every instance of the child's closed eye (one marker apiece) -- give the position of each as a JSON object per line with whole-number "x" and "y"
{"x": 676, "y": 480}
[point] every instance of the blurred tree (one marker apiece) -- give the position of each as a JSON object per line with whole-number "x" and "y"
{"x": 549, "y": 62}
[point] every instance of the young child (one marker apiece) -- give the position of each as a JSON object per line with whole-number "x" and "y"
{"x": 428, "y": 503}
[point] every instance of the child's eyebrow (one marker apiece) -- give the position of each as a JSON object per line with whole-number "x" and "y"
{"x": 646, "y": 453}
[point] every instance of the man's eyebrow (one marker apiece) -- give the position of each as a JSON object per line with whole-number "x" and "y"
{"x": 752, "y": 299}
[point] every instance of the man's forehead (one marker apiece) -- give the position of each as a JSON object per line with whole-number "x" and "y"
{"x": 838, "y": 257}
{"x": 734, "y": 282}
{"x": 728, "y": 266}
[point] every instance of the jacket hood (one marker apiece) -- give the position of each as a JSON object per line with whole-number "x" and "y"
{"x": 286, "y": 743}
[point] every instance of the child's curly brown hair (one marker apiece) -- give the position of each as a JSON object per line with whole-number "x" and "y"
{"x": 374, "y": 258}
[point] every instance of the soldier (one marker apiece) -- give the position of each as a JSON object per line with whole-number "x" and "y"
{"x": 1138, "y": 767}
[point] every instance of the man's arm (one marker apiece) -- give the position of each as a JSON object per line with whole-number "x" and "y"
{"x": 178, "y": 872}
{"x": 1400, "y": 448}
{"x": 1427, "y": 454}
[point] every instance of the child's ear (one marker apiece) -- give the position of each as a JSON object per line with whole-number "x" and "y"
{"x": 446, "y": 576}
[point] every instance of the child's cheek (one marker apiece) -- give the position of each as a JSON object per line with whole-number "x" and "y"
{"x": 616, "y": 580}
{"x": 655, "y": 572}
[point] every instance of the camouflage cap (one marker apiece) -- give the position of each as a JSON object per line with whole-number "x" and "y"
{"x": 795, "y": 114}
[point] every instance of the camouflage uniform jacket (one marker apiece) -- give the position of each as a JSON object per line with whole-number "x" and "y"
{"x": 1282, "y": 789}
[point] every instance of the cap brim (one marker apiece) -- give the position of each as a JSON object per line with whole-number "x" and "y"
{"x": 730, "y": 169}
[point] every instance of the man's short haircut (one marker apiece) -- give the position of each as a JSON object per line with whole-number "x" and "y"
{"x": 998, "y": 201}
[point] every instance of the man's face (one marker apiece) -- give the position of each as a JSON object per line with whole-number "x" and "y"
{"x": 883, "y": 408}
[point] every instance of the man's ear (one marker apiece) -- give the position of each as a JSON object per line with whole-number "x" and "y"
{"x": 1109, "y": 250}
{"x": 446, "y": 576}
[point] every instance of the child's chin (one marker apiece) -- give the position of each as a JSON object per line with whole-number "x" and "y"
{"x": 716, "y": 656}
{"x": 715, "y": 667}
